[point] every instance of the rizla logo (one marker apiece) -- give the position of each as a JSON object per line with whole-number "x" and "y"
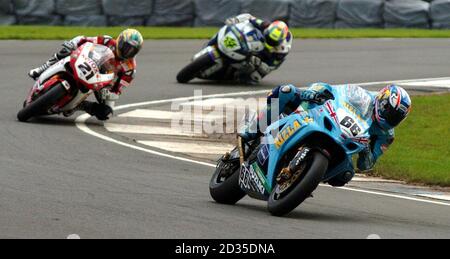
{"x": 230, "y": 42}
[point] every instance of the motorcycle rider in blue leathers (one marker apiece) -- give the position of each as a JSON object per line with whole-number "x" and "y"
{"x": 277, "y": 41}
{"x": 390, "y": 107}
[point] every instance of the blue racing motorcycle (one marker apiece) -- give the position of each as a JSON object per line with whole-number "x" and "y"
{"x": 314, "y": 144}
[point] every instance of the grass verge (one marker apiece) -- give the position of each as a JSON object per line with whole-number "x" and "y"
{"x": 60, "y": 33}
{"x": 421, "y": 151}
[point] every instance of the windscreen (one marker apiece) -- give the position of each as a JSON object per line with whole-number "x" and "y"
{"x": 361, "y": 100}
{"x": 103, "y": 58}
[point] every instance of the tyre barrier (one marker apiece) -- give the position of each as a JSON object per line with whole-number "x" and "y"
{"x": 297, "y": 13}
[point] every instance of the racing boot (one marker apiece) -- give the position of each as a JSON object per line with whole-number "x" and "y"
{"x": 247, "y": 136}
{"x": 99, "y": 110}
{"x": 37, "y": 72}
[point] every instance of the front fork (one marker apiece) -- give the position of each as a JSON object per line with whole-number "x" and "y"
{"x": 241, "y": 150}
{"x": 294, "y": 166}
{"x": 297, "y": 163}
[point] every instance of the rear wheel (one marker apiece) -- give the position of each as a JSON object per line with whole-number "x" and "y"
{"x": 193, "y": 70}
{"x": 41, "y": 105}
{"x": 224, "y": 186}
{"x": 290, "y": 194}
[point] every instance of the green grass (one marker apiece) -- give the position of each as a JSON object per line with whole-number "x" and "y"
{"x": 60, "y": 33}
{"x": 421, "y": 151}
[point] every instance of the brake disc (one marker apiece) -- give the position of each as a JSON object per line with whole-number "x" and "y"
{"x": 287, "y": 183}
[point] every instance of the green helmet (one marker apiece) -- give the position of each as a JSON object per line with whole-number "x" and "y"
{"x": 129, "y": 43}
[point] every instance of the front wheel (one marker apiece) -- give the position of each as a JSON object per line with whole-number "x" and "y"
{"x": 224, "y": 186}
{"x": 194, "y": 69}
{"x": 289, "y": 195}
{"x": 41, "y": 105}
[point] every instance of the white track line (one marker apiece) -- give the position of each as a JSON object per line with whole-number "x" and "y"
{"x": 398, "y": 196}
{"x": 150, "y": 114}
{"x": 436, "y": 196}
{"x": 81, "y": 124}
{"x": 206, "y": 148}
{"x": 187, "y": 99}
{"x": 405, "y": 81}
{"x": 166, "y": 115}
{"x": 435, "y": 83}
{"x": 148, "y": 130}
{"x": 210, "y": 102}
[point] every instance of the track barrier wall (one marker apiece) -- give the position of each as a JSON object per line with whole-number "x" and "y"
{"x": 297, "y": 13}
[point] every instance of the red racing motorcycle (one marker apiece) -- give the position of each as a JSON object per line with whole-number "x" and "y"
{"x": 66, "y": 84}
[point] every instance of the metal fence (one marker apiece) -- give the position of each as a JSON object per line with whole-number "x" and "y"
{"x": 298, "y": 13}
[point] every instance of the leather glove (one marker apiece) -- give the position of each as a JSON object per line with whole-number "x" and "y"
{"x": 319, "y": 97}
{"x": 238, "y": 19}
{"x": 323, "y": 97}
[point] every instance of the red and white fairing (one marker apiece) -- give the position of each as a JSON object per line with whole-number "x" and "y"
{"x": 92, "y": 68}
{"x": 85, "y": 63}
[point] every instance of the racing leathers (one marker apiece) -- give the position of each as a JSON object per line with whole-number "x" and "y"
{"x": 289, "y": 98}
{"x": 125, "y": 72}
{"x": 259, "y": 65}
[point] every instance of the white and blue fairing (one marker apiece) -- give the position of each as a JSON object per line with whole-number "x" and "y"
{"x": 239, "y": 40}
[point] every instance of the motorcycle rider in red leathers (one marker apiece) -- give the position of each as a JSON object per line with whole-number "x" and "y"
{"x": 125, "y": 48}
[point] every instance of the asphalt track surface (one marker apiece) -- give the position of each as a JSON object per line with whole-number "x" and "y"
{"x": 55, "y": 180}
